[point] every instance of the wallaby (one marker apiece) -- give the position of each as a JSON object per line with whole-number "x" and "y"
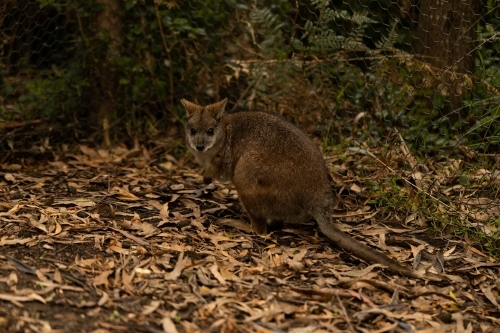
{"x": 279, "y": 173}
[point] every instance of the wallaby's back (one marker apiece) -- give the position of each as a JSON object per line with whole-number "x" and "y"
{"x": 279, "y": 173}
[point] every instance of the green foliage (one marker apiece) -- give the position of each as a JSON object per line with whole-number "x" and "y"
{"x": 154, "y": 57}
{"x": 51, "y": 97}
{"x": 169, "y": 50}
{"x": 271, "y": 27}
{"x": 337, "y": 49}
{"x": 325, "y": 54}
{"x": 353, "y": 72}
{"x": 320, "y": 38}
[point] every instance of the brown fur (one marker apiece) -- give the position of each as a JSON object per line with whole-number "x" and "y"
{"x": 279, "y": 173}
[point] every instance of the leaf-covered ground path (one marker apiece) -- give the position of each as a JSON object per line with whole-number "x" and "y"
{"x": 126, "y": 241}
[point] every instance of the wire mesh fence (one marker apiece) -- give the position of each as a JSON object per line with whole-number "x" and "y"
{"x": 402, "y": 95}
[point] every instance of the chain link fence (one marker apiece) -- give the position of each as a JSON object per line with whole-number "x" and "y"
{"x": 402, "y": 95}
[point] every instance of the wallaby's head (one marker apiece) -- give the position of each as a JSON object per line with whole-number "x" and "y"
{"x": 203, "y": 129}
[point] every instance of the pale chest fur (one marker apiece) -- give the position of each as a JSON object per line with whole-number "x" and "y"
{"x": 216, "y": 164}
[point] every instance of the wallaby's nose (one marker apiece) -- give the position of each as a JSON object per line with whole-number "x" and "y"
{"x": 200, "y": 147}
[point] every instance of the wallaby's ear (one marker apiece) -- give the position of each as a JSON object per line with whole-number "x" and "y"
{"x": 190, "y": 107}
{"x": 217, "y": 109}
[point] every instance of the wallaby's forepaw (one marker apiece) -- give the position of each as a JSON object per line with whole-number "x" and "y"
{"x": 207, "y": 180}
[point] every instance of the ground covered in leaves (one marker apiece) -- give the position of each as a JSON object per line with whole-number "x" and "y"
{"x": 131, "y": 240}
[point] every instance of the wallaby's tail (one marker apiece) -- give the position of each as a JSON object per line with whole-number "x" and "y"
{"x": 361, "y": 250}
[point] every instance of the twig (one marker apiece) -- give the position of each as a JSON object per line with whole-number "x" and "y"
{"x": 345, "y": 313}
{"x": 14, "y": 124}
{"x": 168, "y": 50}
{"x": 241, "y": 96}
{"x": 411, "y": 160}
{"x": 270, "y": 327}
{"x": 323, "y": 292}
{"x": 252, "y": 96}
{"x": 423, "y": 65}
{"x": 80, "y": 26}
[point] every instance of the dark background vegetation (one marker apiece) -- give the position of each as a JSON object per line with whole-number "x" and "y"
{"x": 431, "y": 72}
{"x": 108, "y": 71}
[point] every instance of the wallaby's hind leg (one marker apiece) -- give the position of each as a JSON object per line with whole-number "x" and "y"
{"x": 275, "y": 225}
{"x": 262, "y": 226}
{"x": 259, "y": 225}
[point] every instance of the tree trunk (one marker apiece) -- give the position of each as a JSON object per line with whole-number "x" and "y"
{"x": 445, "y": 39}
{"x": 110, "y": 25}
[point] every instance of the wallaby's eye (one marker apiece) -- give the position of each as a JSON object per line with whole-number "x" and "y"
{"x": 193, "y": 131}
{"x": 210, "y": 131}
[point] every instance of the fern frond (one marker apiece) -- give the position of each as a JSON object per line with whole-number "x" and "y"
{"x": 388, "y": 42}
